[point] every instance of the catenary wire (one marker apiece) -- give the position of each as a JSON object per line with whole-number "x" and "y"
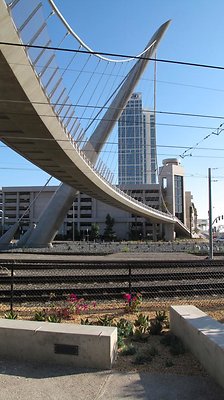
{"x": 64, "y": 49}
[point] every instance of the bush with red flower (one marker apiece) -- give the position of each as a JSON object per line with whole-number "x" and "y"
{"x": 133, "y": 301}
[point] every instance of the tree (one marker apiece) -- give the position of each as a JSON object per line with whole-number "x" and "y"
{"x": 95, "y": 229}
{"x": 109, "y": 234}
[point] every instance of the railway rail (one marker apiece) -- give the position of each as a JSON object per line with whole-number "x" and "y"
{"x": 34, "y": 281}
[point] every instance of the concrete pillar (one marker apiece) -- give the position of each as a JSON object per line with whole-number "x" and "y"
{"x": 154, "y": 232}
{"x": 7, "y": 237}
{"x": 52, "y": 217}
{"x": 169, "y": 232}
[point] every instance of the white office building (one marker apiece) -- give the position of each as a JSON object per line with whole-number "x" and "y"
{"x": 25, "y": 204}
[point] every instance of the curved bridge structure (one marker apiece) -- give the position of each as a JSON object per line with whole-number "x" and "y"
{"x": 30, "y": 126}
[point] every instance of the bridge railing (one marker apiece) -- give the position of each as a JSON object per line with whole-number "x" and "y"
{"x": 68, "y": 78}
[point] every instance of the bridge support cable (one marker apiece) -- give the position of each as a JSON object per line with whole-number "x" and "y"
{"x": 64, "y": 196}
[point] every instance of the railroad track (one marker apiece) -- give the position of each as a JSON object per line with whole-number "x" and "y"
{"x": 35, "y": 281}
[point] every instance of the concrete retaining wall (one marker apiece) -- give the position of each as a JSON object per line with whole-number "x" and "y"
{"x": 81, "y": 346}
{"x": 202, "y": 335}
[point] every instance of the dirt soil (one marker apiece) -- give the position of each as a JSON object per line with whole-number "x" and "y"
{"x": 164, "y": 362}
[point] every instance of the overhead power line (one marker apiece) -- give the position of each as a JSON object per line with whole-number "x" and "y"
{"x": 144, "y": 78}
{"x": 4, "y": 146}
{"x": 65, "y": 49}
{"x": 188, "y": 151}
{"x": 99, "y": 119}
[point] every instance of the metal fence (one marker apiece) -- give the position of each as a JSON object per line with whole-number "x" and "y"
{"x": 111, "y": 286}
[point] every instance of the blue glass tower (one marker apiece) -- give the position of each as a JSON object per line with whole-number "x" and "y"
{"x": 136, "y": 144}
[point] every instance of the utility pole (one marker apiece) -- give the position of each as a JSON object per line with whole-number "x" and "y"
{"x": 190, "y": 216}
{"x": 73, "y": 222}
{"x": 210, "y": 215}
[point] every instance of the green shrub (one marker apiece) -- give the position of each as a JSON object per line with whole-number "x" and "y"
{"x": 86, "y": 322}
{"x": 157, "y": 324}
{"x": 105, "y": 321}
{"x": 124, "y": 327}
{"x": 142, "y": 324}
{"x": 169, "y": 363}
{"x": 142, "y": 357}
{"x": 153, "y": 351}
{"x": 53, "y": 317}
{"x": 11, "y": 315}
{"x": 124, "y": 330}
{"x": 176, "y": 345}
{"x": 40, "y": 315}
{"x": 128, "y": 350}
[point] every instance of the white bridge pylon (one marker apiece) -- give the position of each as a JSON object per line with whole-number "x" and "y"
{"x": 30, "y": 125}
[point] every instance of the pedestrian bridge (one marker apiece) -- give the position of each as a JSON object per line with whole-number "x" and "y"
{"x": 31, "y": 124}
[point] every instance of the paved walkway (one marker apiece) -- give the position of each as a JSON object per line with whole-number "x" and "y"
{"x": 26, "y": 381}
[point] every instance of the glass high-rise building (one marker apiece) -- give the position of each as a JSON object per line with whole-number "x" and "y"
{"x": 136, "y": 144}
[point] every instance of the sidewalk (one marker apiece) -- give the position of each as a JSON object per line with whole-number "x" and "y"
{"x": 24, "y": 382}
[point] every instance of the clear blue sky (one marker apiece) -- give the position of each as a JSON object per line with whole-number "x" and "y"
{"x": 195, "y": 35}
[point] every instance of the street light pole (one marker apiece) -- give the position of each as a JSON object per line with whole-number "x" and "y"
{"x": 210, "y": 215}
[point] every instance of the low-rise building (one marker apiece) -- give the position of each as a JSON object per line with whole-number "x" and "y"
{"x": 25, "y": 204}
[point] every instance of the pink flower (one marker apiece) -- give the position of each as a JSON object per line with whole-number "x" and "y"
{"x": 127, "y": 297}
{"x": 73, "y": 298}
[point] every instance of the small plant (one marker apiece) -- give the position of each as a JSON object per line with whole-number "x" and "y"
{"x": 40, "y": 315}
{"x": 176, "y": 345}
{"x": 157, "y": 324}
{"x": 76, "y": 305}
{"x": 161, "y": 316}
{"x": 141, "y": 327}
{"x": 142, "y": 323}
{"x": 125, "y": 327}
{"x": 169, "y": 363}
{"x": 153, "y": 351}
{"x": 125, "y": 249}
{"x": 54, "y": 317}
{"x": 86, "y": 322}
{"x": 11, "y": 315}
{"x": 129, "y": 350}
{"x": 55, "y": 312}
{"x": 105, "y": 321}
{"x": 143, "y": 356}
{"x": 120, "y": 341}
{"x": 168, "y": 339}
{"x": 155, "y": 327}
{"x": 124, "y": 330}
{"x": 132, "y": 302}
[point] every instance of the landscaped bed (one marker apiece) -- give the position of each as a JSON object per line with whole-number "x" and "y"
{"x": 144, "y": 339}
